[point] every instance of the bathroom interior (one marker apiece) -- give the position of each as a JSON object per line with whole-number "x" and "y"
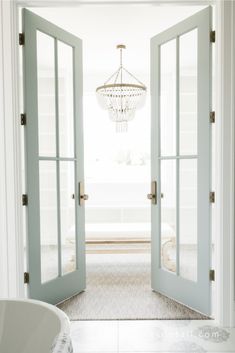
{"x": 117, "y": 164}
{"x": 117, "y": 180}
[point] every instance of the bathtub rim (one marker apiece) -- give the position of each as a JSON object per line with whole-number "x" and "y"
{"x": 63, "y": 318}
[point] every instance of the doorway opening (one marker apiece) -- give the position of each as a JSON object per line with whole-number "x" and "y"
{"x": 117, "y": 169}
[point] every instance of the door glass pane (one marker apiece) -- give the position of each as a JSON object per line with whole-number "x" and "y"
{"x": 66, "y": 107}
{"x": 188, "y": 219}
{"x": 48, "y": 220}
{"x": 168, "y": 98}
{"x": 46, "y": 95}
{"x": 168, "y": 215}
{"x": 188, "y": 92}
{"x": 67, "y": 217}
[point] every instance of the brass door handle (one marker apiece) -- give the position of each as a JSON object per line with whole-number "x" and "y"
{"x": 84, "y": 197}
{"x": 153, "y": 195}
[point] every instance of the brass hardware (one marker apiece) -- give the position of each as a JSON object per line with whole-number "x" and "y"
{"x": 212, "y": 117}
{"x": 26, "y": 277}
{"x": 212, "y": 275}
{"x": 82, "y": 196}
{"x": 122, "y": 241}
{"x": 162, "y": 195}
{"x": 21, "y": 39}
{"x": 153, "y": 195}
{"x": 114, "y": 85}
{"x": 212, "y": 36}
{"x": 24, "y": 200}
{"x": 73, "y": 196}
{"x": 212, "y": 197}
{"x": 23, "y": 119}
{"x": 121, "y": 46}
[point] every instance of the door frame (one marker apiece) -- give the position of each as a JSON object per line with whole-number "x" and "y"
{"x": 11, "y": 189}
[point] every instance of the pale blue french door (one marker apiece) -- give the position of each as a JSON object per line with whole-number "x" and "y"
{"x": 54, "y": 160}
{"x": 181, "y": 159}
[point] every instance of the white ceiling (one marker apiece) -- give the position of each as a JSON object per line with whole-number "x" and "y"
{"x": 102, "y": 27}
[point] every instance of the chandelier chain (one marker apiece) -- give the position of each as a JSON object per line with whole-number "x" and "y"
{"x": 133, "y": 76}
{"x": 110, "y": 78}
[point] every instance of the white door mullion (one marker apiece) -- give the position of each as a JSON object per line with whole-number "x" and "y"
{"x": 159, "y": 153}
{"x": 178, "y": 157}
{"x": 65, "y": 159}
{"x": 57, "y": 157}
{"x": 76, "y": 165}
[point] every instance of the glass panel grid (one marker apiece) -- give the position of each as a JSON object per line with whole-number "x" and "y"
{"x": 48, "y": 220}
{"x": 67, "y": 217}
{"x": 46, "y": 94}
{"x": 188, "y": 92}
{"x": 50, "y": 148}
{"x": 168, "y": 215}
{"x": 188, "y": 218}
{"x": 66, "y": 99}
{"x": 182, "y": 153}
{"x": 168, "y": 98}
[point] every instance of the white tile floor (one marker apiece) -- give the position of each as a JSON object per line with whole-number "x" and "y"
{"x": 151, "y": 336}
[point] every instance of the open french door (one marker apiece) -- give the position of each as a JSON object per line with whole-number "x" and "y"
{"x": 54, "y": 160}
{"x": 181, "y": 155}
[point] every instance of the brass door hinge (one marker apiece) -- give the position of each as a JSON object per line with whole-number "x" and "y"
{"x": 24, "y": 200}
{"x": 26, "y": 277}
{"x": 212, "y": 117}
{"x": 23, "y": 119}
{"x": 212, "y": 36}
{"x": 212, "y": 275}
{"x": 21, "y": 39}
{"x": 212, "y": 197}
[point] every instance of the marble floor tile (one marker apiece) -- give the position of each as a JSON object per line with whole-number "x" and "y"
{"x": 175, "y": 336}
{"x": 94, "y": 336}
{"x": 149, "y": 336}
{"x": 140, "y": 336}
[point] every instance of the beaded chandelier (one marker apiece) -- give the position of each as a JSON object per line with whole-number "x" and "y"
{"x": 121, "y": 95}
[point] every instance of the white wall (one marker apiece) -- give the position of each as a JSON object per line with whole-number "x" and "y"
{"x": 11, "y": 267}
{"x": 224, "y": 180}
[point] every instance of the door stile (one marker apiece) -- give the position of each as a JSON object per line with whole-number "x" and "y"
{"x": 177, "y": 160}
{"x": 79, "y": 167}
{"x": 31, "y": 141}
{"x": 158, "y": 163}
{"x": 155, "y": 163}
{"x": 76, "y": 156}
{"x": 204, "y": 154}
{"x": 75, "y": 160}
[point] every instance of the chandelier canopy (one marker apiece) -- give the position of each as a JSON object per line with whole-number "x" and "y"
{"x": 121, "y": 95}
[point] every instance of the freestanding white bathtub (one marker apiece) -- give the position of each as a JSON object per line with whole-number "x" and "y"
{"x": 31, "y": 326}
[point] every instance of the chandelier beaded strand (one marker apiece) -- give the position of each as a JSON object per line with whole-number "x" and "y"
{"x": 121, "y": 95}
